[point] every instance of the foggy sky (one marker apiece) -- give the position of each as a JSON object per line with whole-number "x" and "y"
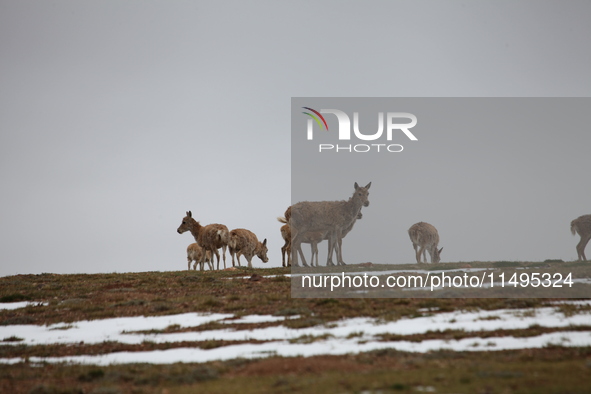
{"x": 117, "y": 117}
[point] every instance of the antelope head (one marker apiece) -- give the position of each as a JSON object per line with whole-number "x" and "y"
{"x": 262, "y": 252}
{"x": 362, "y": 194}
{"x": 186, "y": 224}
{"x": 437, "y": 255}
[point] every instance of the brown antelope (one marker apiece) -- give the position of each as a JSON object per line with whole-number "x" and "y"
{"x": 245, "y": 242}
{"x": 331, "y": 218}
{"x": 194, "y": 253}
{"x": 286, "y": 248}
{"x": 425, "y": 238}
{"x": 582, "y": 226}
{"x": 210, "y": 237}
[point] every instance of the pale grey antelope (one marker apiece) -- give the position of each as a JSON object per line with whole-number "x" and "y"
{"x": 425, "y": 238}
{"x": 330, "y": 218}
{"x": 312, "y": 238}
{"x": 582, "y": 226}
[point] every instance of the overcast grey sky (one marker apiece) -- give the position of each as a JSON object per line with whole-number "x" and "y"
{"x": 116, "y": 117}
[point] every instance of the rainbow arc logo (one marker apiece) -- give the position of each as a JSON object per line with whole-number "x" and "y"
{"x": 315, "y": 116}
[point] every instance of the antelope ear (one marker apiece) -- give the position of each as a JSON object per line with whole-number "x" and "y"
{"x": 440, "y": 250}
{"x": 368, "y": 185}
{"x": 356, "y": 186}
{"x": 265, "y": 242}
{"x": 189, "y": 214}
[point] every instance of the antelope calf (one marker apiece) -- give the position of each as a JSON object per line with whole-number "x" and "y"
{"x": 286, "y": 248}
{"x": 245, "y": 242}
{"x": 582, "y": 226}
{"x": 425, "y": 238}
{"x": 312, "y": 238}
{"x": 210, "y": 237}
{"x": 195, "y": 253}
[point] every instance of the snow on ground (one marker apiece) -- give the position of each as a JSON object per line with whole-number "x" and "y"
{"x": 345, "y": 336}
{"x": 18, "y": 305}
{"x": 332, "y": 346}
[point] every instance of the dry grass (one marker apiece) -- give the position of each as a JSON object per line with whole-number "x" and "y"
{"x": 556, "y": 370}
{"x": 87, "y": 297}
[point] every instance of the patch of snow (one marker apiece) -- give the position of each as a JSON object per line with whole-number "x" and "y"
{"x": 336, "y": 346}
{"x": 353, "y": 335}
{"x": 18, "y": 305}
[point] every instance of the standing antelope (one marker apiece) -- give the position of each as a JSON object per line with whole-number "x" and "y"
{"x": 245, "y": 242}
{"x": 582, "y": 226}
{"x": 331, "y": 218}
{"x": 194, "y": 253}
{"x": 340, "y": 242}
{"x": 312, "y": 238}
{"x": 425, "y": 238}
{"x": 210, "y": 237}
{"x": 286, "y": 248}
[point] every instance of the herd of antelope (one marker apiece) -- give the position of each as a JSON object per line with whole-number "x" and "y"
{"x": 312, "y": 222}
{"x": 209, "y": 239}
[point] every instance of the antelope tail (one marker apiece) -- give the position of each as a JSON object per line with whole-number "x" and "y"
{"x": 573, "y": 228}
{"x": 224, "y": 236}
{"x": 232, "y": 242}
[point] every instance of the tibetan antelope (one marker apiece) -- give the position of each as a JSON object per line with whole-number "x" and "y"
{"x": 245, "y": 242}
{"x": 286, "y": 248}
{"x": 340, "y": 242}
{"x": 425, "y": 238}
{"x": 330, "y": 218}
{"x": 312, "y": 238}
{"x": 210, "y": 237}
{"x": 194, "y": 253}
{"x": 582, "y": 226}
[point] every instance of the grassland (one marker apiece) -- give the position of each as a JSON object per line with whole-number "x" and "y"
{"x": 72, "y": 298}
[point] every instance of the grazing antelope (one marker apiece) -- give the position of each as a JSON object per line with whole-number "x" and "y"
{"x": 245, "y": 242}
{"x": 425, "y": 238}
{"x": 194, "y": 253}
{"x": 330, "y": 218}
{"x": 210, "y": 237}
{"x": 582, "y": 226}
